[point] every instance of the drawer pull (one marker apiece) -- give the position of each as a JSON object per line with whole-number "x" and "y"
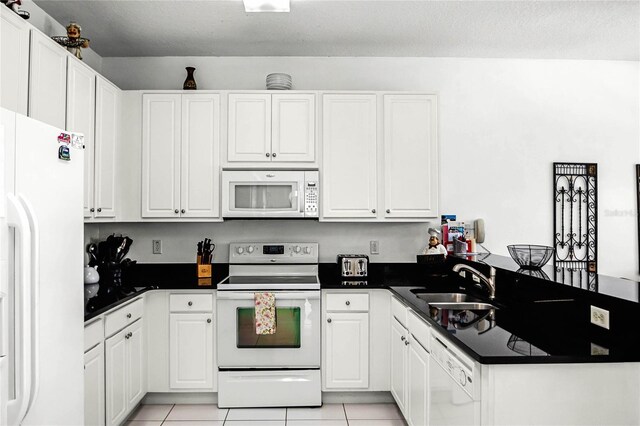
{"x": 329, "y": 320}
{"x": 190, "y": 303}
{"x": 208, "y": 320}
{"x": 402, "y": 338}
{"x": 128, "y": 315}
{"x": 347, "y": 303}
{"x": 406, "y": 342}
{"x": 128, "y": 335}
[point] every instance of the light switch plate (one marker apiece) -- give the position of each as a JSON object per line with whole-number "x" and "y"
{"x": 374, "y": 247}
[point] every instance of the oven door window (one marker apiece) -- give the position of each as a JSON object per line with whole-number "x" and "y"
{"x": 287, "y": 333}
{"x": 265, "y": 196}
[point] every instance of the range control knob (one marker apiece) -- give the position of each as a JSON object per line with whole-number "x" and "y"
{"x": 240, "y": 250}
{"x": 250, "y": 249}
{"x": 307, "y": 250}
{"x": 297, "y": 249}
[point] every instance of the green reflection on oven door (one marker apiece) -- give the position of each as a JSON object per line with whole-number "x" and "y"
{"x": 287, "y": 333}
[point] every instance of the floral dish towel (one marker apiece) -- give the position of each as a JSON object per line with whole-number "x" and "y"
{"x": 265, "y": 305}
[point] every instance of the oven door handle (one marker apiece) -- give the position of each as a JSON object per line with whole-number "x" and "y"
{"x": 249, "y": 295}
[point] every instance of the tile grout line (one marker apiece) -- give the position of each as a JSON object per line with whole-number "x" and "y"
{"x": 169, "y": 412}
{"x": 344, "y": 408}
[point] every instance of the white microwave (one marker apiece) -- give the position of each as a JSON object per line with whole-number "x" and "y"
{"x": 270, "y": 194}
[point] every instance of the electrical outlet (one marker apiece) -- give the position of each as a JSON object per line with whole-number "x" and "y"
{"x": 157, "y": 246}
{"x": 374, "y": 247}
{"x": 600, "y": 317}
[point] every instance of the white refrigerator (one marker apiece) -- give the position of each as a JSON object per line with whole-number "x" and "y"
{"x": 41, "y": 281}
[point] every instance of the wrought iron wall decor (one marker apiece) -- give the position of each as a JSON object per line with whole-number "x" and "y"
{"x": 638, "y": 207}
{"x": 576, "y": 224}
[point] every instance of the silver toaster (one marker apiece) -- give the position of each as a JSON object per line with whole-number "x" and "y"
{"x": 353, "y": 265}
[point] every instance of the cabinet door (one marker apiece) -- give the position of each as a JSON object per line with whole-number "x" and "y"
{"x": 417, "y": 384}
{"x": 191, "y": 351}
{"x": 293, "y": 131}
{"x": 200, "y": 174}
{"x": 81, "y": 108}
{"x": 107, "y": 125}
{"x": 136, "y": 367}
{"x": 249, "y": 137}
{"x": 347, "y": 350}
{"x": 116, "y": 378}
{"x": 47, "y": 80}
{"x": 399, "y": 364}
{"x": 14, "y": 61}
{"x": 410, "y": 156}
{"x": 349, "y": 156}
{"x": 94, "y": 386}
{"x": 161, "y": 155}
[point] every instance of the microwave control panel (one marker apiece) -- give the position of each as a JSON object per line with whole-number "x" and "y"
{"x": 311, "y": 191}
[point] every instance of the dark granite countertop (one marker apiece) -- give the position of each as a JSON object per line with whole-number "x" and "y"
{"x": 538, "y": 320}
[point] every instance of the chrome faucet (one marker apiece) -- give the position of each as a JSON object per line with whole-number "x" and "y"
{"x": 489, "y": 282}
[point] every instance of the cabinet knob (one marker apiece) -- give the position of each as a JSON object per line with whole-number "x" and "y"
{"x": 406, "y": 342}
{"x": 128, "y": 315}
{"x": 402, "y": 338}
{"x": 208, "y": 320}
{"x": 176, "y": 211}
{"x": 99, "y": 209}
{"x": 183, "y": 211}
{"x": 92, "y": 210}
{"x": 273, "y": 155}
{"x": 347, "y": 303}
{"x": 127, "y": 336}
{"x": 190, "y": 303}
{"x": 267, "y": 154}
{"x": 329, "y": 320}
{"x": 373, "y": 210}
{"x": 388, "y": 210}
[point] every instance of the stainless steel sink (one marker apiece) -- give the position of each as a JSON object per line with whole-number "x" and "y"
{"x": 454, "y": 301}
{"x": 432, "y": 298}
{"x": 472, "y": 306}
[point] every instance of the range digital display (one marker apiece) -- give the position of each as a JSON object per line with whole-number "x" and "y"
{"x": 273, "y": 249}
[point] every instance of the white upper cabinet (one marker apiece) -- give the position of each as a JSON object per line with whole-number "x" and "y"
{"x": 161, "y": 155}
{"x": 271, "y": 128}
{"x": 180, "y": 156}
{"x": 200, "y": 169}
{"x": 349, "y": 160}
{"x": 249, "y": 132}
{"x": 106, "y": 137}
{"x": 81, "y": 107}
{"x": 293, "y": 128}
{"x": 14, "y": 61}
{"x": 47, "y": 80}
{"x": 410, "y": 156}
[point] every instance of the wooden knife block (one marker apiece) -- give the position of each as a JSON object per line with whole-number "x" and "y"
{"x": 204, "y": 270}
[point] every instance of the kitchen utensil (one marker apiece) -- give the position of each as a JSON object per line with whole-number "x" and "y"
{"x": 530, "y": 256}
{"x": 92, "y": 249}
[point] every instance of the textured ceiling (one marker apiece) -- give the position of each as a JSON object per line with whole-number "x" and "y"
{"x": 486, "y": 29}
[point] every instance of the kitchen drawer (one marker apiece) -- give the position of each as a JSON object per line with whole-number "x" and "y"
{"x": 93, "y": 334}
{"x": 419, "y": 329}
{"x": 347, "y": 302}
{"x": 121, "y": 317}
{"x": 400, "y": 312}
{"x": 191, "y": 302}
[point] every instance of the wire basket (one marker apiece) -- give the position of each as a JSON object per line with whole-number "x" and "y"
{"x": 530, "y": 256}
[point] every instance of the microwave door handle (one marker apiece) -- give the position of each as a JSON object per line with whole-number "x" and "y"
{"x": 293, "y": 197}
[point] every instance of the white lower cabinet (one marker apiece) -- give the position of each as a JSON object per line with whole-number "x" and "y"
{"x": 417, "y": 402}
{"x": 191, "y": 351}
{"x": 94, "y": 386}
{"x": 125, "y": 374}
{"x": 347, "y": 350}
{"x": 399, "y": 353}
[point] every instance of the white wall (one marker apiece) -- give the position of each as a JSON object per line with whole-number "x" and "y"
{"x": 45, "y": 23}
{"x": 502, "y": 124}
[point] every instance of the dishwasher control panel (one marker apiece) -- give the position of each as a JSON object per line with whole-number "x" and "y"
{"x": 459, "y": 371}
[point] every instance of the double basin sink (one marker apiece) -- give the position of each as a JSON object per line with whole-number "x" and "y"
{"x": 456, "y": 301}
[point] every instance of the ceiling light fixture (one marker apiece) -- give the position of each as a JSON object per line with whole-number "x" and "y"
{"x": 266, "y": 5}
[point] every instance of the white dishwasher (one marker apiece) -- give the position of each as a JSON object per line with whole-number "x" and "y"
{"x": 451, "y": 386}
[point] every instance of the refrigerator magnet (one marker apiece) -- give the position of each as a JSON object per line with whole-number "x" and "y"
{"x": 77, "y": 140}
{"x": 64, "y": 138}
{"x": 64, "y": 153}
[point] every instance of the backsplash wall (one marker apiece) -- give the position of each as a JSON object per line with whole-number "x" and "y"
{"x": 399, "y": 242}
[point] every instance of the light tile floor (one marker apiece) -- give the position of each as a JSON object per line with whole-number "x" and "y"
{"x": 211, "y": 415}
